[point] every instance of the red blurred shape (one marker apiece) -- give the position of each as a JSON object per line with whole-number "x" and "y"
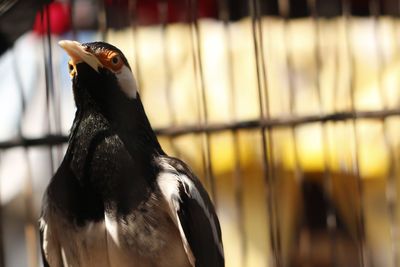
{"x": 59, "y": 19}
{"x": 148, "y": 11}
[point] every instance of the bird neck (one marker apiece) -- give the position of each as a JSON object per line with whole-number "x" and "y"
{"x": 127, "y": 118}
{"x": 132, "y": 124}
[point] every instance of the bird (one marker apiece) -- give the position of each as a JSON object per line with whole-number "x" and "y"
{"x": 117, "y": 199}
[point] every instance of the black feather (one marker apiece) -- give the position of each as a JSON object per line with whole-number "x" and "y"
{"x": 110, "y": 151}
{"x": 111, "y": 163}
{"x": 195, "y": 222}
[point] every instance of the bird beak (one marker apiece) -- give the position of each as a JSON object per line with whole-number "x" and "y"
{"x": 78, "y": 54}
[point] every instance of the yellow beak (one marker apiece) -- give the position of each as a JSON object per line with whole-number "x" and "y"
{"x": 78, "y": 54}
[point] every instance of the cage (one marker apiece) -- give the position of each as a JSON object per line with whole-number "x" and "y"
{"x": 288, "y": 111}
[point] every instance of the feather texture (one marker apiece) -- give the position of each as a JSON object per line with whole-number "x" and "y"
{"x": 117, "y": 200}
{"x": 193, "y": 213}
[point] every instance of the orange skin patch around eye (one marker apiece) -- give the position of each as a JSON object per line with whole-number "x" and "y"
{"x": 106, "y": 57}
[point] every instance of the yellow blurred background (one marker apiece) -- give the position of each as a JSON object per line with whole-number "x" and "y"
{"x": 312, "y": 68}
{"x": 325, "y": 194}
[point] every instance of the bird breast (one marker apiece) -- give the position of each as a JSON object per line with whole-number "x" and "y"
{"x": 146, "y": 237}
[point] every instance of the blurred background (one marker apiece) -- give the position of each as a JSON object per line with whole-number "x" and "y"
{"x": 287, "y": 110}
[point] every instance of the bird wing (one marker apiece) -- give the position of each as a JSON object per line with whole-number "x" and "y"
{"x": 193, "y": 213}
{"x": 41, "y": 233}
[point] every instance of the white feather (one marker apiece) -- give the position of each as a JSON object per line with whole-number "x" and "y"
{"x": 111, "y": 228}
{"x": 66, "y": 245}
{"x": 168, "y": 183}
{"x": 127, "y": 81}
{"x": 50, "y": 245}
{"x": 141, "y": 239}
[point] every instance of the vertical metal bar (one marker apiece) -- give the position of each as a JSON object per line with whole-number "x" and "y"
{"x": 47, "y": 55}
{"x": 102, "y": 20}
{"x": 284, "y": 7}
{"x": 31, "y": 223}
{"x": 397, "y": 27}
{"x": 224, "y": 14}
{"x": 360, "y": 189}
{"x": 336, "y": 58}
{"x": 270, "y": 145}
{"x": 331, "y": 220}
{"x": 134, "y": 22}
{"x": 48, "y": 71}
{"x": 284, "y": 12}
{"x": 203, "y": 111}
{"x": 391, "y": 193}
{"x": 30, "y": 219}
{"x": 266, "y": 138}
{"x": 54, "y": 96}
{"x": 394, "y": 30}
{"x": 72, "y": 18}
{"x": 163, "y": 13}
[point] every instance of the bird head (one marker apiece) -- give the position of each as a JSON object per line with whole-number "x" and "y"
{"x": 99, "y": 71}
{"x": 102, "y": 80}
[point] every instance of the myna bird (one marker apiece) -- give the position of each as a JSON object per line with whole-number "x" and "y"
{"x": 117, "y": 200}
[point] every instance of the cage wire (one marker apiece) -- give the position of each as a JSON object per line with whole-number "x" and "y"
{"x": 277, "y": 206}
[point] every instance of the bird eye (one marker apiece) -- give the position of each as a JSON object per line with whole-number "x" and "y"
{"x": 71, "y": 69}
{"x": 115, "y": 60}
